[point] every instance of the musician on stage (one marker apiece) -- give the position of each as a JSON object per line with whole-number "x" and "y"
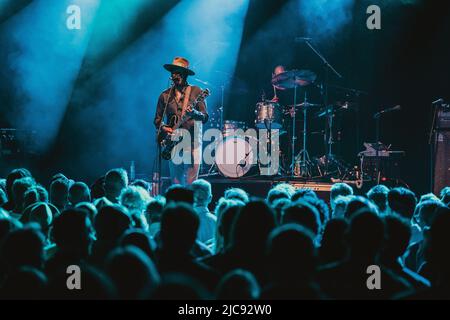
{"x": 172, "y": 102}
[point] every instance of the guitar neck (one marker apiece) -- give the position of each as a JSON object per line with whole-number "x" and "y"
{"x": 186, "y": 117}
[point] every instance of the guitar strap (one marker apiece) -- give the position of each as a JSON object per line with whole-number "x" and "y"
{"x": 187, "y": 95}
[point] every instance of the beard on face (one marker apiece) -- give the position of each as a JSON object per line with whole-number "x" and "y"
{"x": 178, "y": 79}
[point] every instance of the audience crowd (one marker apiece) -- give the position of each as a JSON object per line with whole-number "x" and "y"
{"x": 127, "y": 244}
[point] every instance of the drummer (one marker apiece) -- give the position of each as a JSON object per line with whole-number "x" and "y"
{"x": 276, "y": 96}
{"x": 281, "y": 95}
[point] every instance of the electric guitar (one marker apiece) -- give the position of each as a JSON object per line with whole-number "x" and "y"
{"x": 165, "y": 139}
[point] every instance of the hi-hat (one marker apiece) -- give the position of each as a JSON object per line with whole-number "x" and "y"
{"x": 293, "y": 78}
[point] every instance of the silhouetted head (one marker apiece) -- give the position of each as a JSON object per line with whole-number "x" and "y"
{"x": 140, "y": 239}
{"x": 59, "y": 176}
{"x": 132, "y": 271}
{"x": 13, "y": 176}
{"x": 134, "y": 198}
{"x": 251, "y": 227}
{"x": 111, "y": 222}
{"x": 304, "y": 214}
{"x": 23, "y": 247}
{"x": 41, "y": 214}
{"x": 275, "y": 194}
{"x": 378, "y": 195}
{"x": 303, "y": 194}
{"x": 79, "y": 192}
{"x": 236, "y": 194}
{"x": 7, "y": 224}
{"x": 72, "y": 232}
{"x": 25, "y": 283}
{"x": 398, "y": 234}
{"x": 438, "y": 239}
{"x": 290, "y": 189}
{"x": 339, "y": 189}
{"x": 224, "y": 224}
{"x": 143, "y": 184}
{"x": 340, "y": 204}
{"x": 426, "y": 211}
{"x": 30, "y": 197}
{"x": 115, "y": 181}
{"x": 177, "y": 193}
{"x": 179, "y": 287}
{"x": 43, "y": 194}
{"x": 278, "y": 206}
{"x": 154, "y": 209}
{"x": 238, "y": 284}
{"x": 365, "y": 235}
{"x": 428, "y": 196}
{"x": 89, "y": 208}
{"x": 59, "y": 193}
{"x": 402, "y": 201}
{"x": 333, "y": 246}
{"x": 20, "y": 187}
{"x": 278, "y": 69}
{"x": 322, "y": 209}
{"x": 202, "y": 192}
{"x": 291, "y": 254}
{"x": 97, "y": 188}
{"x": 179, "y": 226}
{"x": 357, "y": 203}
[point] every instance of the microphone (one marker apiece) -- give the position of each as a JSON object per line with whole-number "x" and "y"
{"x": 302, "y": 39}
{"x": 378, "y": 114}
{"x": 438, "y": 101}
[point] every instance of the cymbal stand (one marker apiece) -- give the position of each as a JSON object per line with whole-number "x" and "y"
{"x": 294, "y": 137}
{"x": 303, "y": 155}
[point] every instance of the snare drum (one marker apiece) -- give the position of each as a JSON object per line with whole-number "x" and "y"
{"x": 268, "y": 115}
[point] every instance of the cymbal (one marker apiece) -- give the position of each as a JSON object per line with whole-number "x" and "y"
{"x": 333, "y": 109}
{"x": 305, "y": 104}
{"x": 293, "y": 78}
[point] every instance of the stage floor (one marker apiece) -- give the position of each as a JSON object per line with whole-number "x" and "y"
{"x": 260, "y": 186}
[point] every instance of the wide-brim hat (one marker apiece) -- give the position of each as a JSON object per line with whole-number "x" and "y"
{"x": 179, "y": 64}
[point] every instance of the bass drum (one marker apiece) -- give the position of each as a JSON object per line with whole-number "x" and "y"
{"x": 236, "y": 155}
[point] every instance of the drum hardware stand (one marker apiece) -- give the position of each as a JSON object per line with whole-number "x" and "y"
{"x": 303, "y": 156}
{"x": 294, "y": 137}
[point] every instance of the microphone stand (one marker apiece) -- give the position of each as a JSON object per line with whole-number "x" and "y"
{"x": 377, "y": 117}
{"x": 432, "y": 141}
{"x": 157, "y": 136}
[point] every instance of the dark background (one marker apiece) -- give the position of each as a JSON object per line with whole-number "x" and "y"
{"x": 405, "y": 63}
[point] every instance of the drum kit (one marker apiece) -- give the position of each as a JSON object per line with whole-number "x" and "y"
{"x": 270, "y": 115}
